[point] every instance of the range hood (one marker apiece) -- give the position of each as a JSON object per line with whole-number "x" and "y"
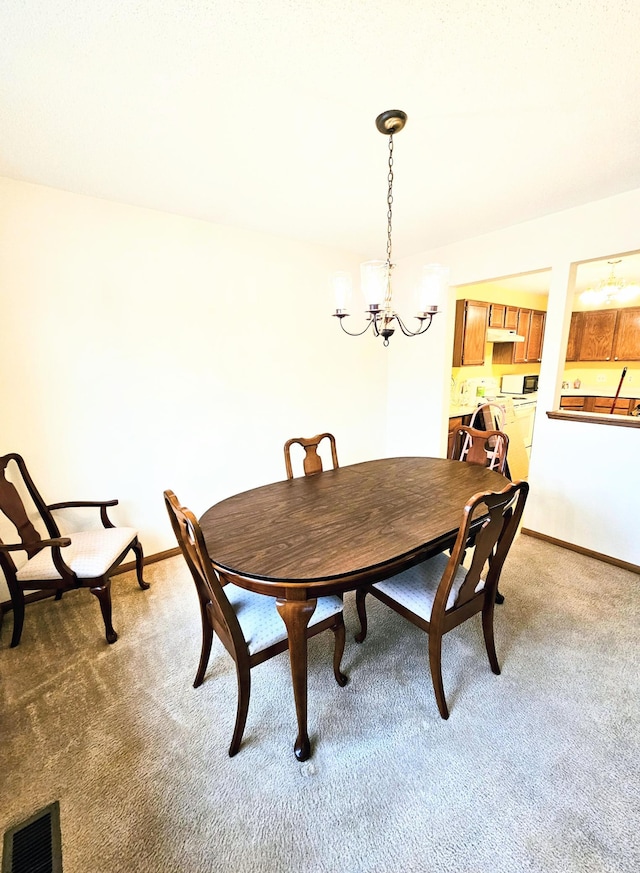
{"x": 502, "y": 335}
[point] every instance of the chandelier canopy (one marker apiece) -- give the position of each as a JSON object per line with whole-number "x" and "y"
{"x": 375, "y": 276}
{"x": 610, "y": 291}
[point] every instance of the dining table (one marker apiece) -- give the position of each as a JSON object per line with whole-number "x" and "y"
{"x": 331, "y": 532}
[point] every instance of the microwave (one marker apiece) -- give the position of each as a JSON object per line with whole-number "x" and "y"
{"x": 517, "y": 384}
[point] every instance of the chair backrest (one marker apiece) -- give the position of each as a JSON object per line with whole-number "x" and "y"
{"x": 487, "y": 448}
{"x": 213, "y": 601}
{"x": 312, "y": 461}
{"x": 489, "y": 416}
{"x": 503, "y": 511}
{"x": 13, "y": 508}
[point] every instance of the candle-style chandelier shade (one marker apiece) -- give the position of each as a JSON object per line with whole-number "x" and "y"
{"x": 610, "y": 291}
{"x": 375, "y": 276}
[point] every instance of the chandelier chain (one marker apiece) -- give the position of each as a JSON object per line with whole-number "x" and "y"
{"x": 388, "y": 311}
{"x": 390, "y": 200}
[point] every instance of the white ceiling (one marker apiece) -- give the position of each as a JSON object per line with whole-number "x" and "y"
{"x": 261, "y": 114}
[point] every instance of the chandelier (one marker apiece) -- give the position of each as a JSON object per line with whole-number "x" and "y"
{"x": 610, "y": 291}
{"x": 375, "y": 276}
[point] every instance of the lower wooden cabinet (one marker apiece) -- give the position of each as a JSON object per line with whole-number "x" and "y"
{"x": 454, "y": 424}
{"x": 600, "y": 405}
{"x": 572, "y": 403}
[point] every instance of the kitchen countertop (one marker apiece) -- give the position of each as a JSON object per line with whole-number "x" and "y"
{"x": 627, "y": 392}
{"x": 460, "y": 410}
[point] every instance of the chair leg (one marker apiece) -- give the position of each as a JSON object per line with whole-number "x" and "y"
{"x": 244, "y": 692}
{"x": 17, "y": 599}
{"x": 137, "y": 548}
{"x": 207, "y": 639}
{"x": 339, "y": 633}
{"x": 487, "y": 629}
{"x": 435, "y": 664}
{"x": 361, "y": 595}
{"x": 103, "y": 593}
{"x": 59, "y": 594}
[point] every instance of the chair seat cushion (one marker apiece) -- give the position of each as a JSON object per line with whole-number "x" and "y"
{"x": 416, "y": 588}
{"x": 260, "y": 620}
{"x": 90, "y": 555}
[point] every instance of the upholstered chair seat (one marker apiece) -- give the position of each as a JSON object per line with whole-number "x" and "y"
{"x": 260, "y": 621}
{"x": 415, "y": 589}
{"x": 90, "y": 555}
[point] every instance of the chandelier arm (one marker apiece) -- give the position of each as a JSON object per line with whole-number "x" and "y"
{"x": 359, "y": 333}
{"x": 376, "y": 329}
{"x": 424, "y": 327}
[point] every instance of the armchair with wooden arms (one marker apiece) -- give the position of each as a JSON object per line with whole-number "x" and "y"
{"x": 55, "y": 563}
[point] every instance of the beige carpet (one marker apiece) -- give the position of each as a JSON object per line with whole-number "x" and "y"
{"x": 536, "y": 770}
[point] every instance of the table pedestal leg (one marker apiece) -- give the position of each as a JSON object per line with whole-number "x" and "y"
{"x": 296, "y": 615}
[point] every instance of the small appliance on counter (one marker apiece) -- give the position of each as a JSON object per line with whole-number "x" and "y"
{"x": 519, "y": 384}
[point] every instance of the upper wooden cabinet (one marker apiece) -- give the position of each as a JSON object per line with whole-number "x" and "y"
{"x": 605, "y": 335}
{"x": 503, "y": 316}
{"x": 536, "y": 335}
{"x": 472, "y": 317}
{"x": 575, "y": 336}
{"x": 520, "y": 349}
{"x": 626, "y": 342}
{"x": 597, "y": 335}
{"x": 530, "y": 324}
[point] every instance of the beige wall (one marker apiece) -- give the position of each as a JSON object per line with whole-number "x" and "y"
{"x": 142, "y": 351}
{"x": 583, "y": 476}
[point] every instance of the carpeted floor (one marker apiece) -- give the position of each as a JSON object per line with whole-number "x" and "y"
{"x": 536, "y": 770}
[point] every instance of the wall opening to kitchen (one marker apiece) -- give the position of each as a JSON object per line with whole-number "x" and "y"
{"x": 602, "y": 367}
{"x": 498, "y": 345}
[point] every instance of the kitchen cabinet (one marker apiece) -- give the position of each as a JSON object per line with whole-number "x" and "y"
{"x": 470, "y": 337}
{"x": 605, "y": 335}
{"x": 575, "y": 404}
{"x": 600, "y": 405}
{"x": 623, "y": 405}
{"x": 503, "y": 316}
{"x": 598, "y": 328}
{"x": 530, "y": 324}
{"x": 520, "y": 349}
{"x": 626, "y": 342}
{"x": 454, "y": 424}
{"x": 575, "y": 336}
{"x": 536, "y": 335}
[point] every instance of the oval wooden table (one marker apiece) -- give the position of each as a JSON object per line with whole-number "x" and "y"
{"x": 303, "y": 538}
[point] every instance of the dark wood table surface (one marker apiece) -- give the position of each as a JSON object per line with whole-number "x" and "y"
{"x": 303, "y": 538}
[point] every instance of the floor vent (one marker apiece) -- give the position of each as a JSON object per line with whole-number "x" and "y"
{"x": 34, "y": 845}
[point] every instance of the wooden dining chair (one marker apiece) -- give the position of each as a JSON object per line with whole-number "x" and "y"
{"x": 487, "y": 448}
{"x": 439, "y": 594}
{"x": 56, "y": 563}
{"x": 312, "y": 462}
{"x": 247, "y": 624}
